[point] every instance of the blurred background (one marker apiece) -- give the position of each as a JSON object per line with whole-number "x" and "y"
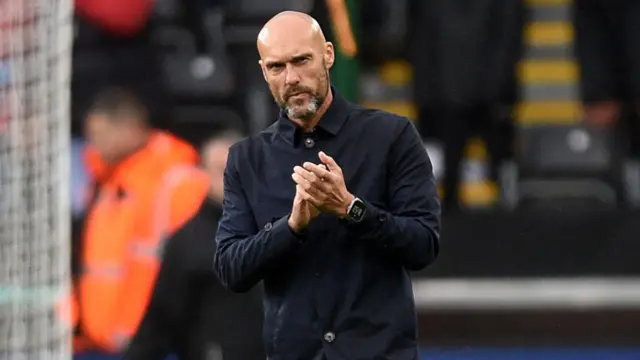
{"x": 528, "y": 109}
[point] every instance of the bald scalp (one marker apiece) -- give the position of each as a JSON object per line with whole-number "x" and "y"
{"x": 290, "y": 26}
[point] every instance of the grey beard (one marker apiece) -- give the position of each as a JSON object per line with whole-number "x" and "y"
{"x": 311, "y": 110}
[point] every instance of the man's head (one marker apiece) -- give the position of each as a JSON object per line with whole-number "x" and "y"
{"x": 116, "y": 124}
{"x": 295, "y": 59}
{"x": 214, "y": 154}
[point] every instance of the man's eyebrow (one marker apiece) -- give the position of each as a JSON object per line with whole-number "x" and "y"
{"x": 302, "y": 56}
{"x": 271, "y": 63}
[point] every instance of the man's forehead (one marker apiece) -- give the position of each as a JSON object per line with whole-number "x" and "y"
{"x": 287, "y": 48}
{"x": 286, "y": 54}
{"x": 279, "y": 43}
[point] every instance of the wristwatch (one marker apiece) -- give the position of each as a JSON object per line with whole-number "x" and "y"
{"x": 356, "y": 211}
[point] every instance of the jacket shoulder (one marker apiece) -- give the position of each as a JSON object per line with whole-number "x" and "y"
{"x": 247, "y": 147}
{"x": 380, "y": 116}
{"x": 383, "y": 121}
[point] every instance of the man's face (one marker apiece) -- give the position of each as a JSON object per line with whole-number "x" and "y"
{"x": 297, "y": 74}
{"x": 214, "y": 159}
{"x": 108, "y": 137}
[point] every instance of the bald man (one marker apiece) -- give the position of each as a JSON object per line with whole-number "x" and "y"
{"x": 331, "y": 207}
{"x": 303, "y": 93}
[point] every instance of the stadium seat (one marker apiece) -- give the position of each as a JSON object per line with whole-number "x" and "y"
{"x": 260, "y": 9}
{"x": 245, "y": 18}
{"x": 167, "y": 11}
{"x": 195, "y": 123}
{"x": 566, "y": 150}
{"x": 190, "y": 75}
{"x": 569, "y": 164}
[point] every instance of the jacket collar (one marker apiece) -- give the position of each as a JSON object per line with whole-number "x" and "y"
{"x": 331, "y": 122}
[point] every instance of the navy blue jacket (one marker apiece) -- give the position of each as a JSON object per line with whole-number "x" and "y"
{"x": 342, "y": 290}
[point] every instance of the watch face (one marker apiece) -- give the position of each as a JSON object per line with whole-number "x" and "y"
{"x": 357, "y": 211}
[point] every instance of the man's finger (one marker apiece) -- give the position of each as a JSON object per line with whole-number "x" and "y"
{"x": 328, "y": 160}
{"x": 300, "y": 181}
{"x": 307, "y": 197}
{"x": 300, "y": 193}
{"x": 320, "y": 171}
{"x": 311, "y": 188}
{"x": 309, "y": 175}
{"x": 314, "y": 179}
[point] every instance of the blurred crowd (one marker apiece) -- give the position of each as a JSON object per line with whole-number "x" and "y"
{"x": 519, "y": 103}
{"x": 510, "y": 97}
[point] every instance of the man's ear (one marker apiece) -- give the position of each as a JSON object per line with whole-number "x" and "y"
{"x": 329, "y": 54}
{"x": 264, "y": 72}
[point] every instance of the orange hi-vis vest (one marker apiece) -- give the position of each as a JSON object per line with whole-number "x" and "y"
{"x": 138, "y": 205}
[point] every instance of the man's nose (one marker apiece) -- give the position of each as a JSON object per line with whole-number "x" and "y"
{"x": 292, "y": 77}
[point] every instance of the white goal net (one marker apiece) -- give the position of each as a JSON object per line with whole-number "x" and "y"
{"x": 35, "y": 56}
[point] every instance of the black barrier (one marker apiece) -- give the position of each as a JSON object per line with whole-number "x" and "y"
{"x": 553, "y": 243}
{"x": 529, "y": 328}
{"x": 550, "y": 243}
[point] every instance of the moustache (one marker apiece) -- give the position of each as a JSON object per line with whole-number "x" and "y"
{"x": 296, "y": 91}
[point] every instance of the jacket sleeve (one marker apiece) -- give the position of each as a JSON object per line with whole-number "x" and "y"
{"x": 245, "y": 252}
{"x": 409, "y": 230}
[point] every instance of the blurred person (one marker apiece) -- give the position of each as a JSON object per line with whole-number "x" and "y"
{"x": 190, "y": 313}
{"x": 146, "y": 184}
{"x": 464, "y": 56}
{"x": 335, "y": 267}
{"x": 609, "y": 58}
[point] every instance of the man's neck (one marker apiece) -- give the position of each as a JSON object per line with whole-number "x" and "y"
{"x": 311, "y": 124}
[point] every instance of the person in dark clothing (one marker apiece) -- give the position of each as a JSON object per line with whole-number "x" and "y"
{"x": 190, "y": 313}
{"x": 464, "y": 55}
{"x": 335, "y": 267}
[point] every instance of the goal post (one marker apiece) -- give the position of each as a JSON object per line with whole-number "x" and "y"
{"x": 35, "y": 62}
